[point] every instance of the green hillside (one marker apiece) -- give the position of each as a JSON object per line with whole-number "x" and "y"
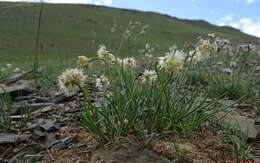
{"x": 71, "y": 30}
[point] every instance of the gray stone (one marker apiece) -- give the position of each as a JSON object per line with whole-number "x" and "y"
{"x": 61, "y": 144}
{"x": 12, "y": 79}
{"x": 16, "y": 108}
{"x": 38, "y": 134}
{"x": 13, "y": 138}
{"x": 49, "y": 126}
{"x": 18, "y": 89}
{"x": 61, "y": 98}
{"x": 245, "y": 124}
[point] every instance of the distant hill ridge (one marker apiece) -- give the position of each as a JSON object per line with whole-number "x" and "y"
{"x": 74, "y": 29}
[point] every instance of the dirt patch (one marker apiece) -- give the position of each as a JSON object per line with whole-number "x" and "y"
{"x": 202, "y": 147}
{"x": 81, "y": 150}
{"x": 127, "y": 151}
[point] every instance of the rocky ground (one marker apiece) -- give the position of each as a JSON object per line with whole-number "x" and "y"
{"x": 53, "y": 133}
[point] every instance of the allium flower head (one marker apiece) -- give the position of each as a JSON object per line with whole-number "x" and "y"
{"x": 8, "y": 65}
{"x": 113, "y": 28}
{"x": 149, "y": 76}
{"x": 3, "y": 69}
{"x": 204, "y": 47}
{"x": 173, "y": 60}
{"x": 102, "y": 50}
{"x": 125, "y": 121}
{"x": 147, "y": 46}
{"x": 129, "y": 62}
{"x": 138, "y": 22}
{"x": 148, "y": 55}
{"x": 102, "y": 83}
{"x": 212, "y": 35}
{"x": 16, "y": 70}
{"x": 119, "y": 61}
{"x": 127, "y": 33}
{"x": 71, "y": 81}
{"x": 83, "y": 61}
{"x": 247, "y": 47}
{"x": 220, "y": 44}
{"x": 196, "y": 56}
{"x": 106, "y": 55}
{"x": 142, "y": 32}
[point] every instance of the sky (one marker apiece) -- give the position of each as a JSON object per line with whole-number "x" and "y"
{"x": 241, "y": 14}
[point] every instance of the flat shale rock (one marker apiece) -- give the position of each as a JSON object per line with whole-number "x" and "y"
{"x": 15, "y": 78}
{"x": 17, "y": 89}
{"x": 61, "y": 144}
{"x": 245, "y": 124}
{"x": 12, "y": 138}
{"x": 49, "y": 126}
{"x": 127, "y": 151}
{"x": 16, "y": 108}
{"x": 61, "y": 98}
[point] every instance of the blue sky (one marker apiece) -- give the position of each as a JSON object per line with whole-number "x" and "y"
{"x": 242, "y": 14}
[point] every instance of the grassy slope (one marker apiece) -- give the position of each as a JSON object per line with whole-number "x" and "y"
{"x": 69, "y": 31}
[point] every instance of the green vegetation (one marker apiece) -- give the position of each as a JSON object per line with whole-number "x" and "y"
{"x": 152, "y": 107}
{"x": 128, "y": 88}
{"x": 5, "y": 115}
{"x": 238, "y": 140}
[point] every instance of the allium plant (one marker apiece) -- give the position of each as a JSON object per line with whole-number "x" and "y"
{"x": 157, "y": 100}
{"x": 225, "y": 70}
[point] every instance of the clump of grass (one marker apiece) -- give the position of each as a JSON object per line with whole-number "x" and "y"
{"x": 238, "y": 141}
{"x": 233, "y": 88}
{"x": 25, "y": 116}
{"x": 225, "y": 69}
{"x": 8, "y": 70}
{"x": 158, "y": 99}
{"x": 152, "y": 107}
{"x": 6, "y": 116}
{"x": 5, "y": 113}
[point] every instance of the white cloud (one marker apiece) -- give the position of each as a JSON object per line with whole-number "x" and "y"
{"x": 250, "y": 1}
{"x": 246, "y": 1}
{"x": 246, "y": 24}
{"x": 96, "y": 2}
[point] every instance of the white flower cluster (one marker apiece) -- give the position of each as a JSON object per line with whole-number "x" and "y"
{"x": 106, "y": 55}
{"x": 147, "y": 51}
{"x": 9, "y": 69}
{"x": 143, "y": 30}
{"x": 204, "y": 47}
{"x": 129, "y": 62}
{"x": 127, "y": 33}
{"x": 149, "y": 76}
{"x": 173, "y": 61}
{"x": 71, "y": 81}
{"x": 113, "y": 28}
{"x": 84, "y": 62}
{"x": 202, "y": 50}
